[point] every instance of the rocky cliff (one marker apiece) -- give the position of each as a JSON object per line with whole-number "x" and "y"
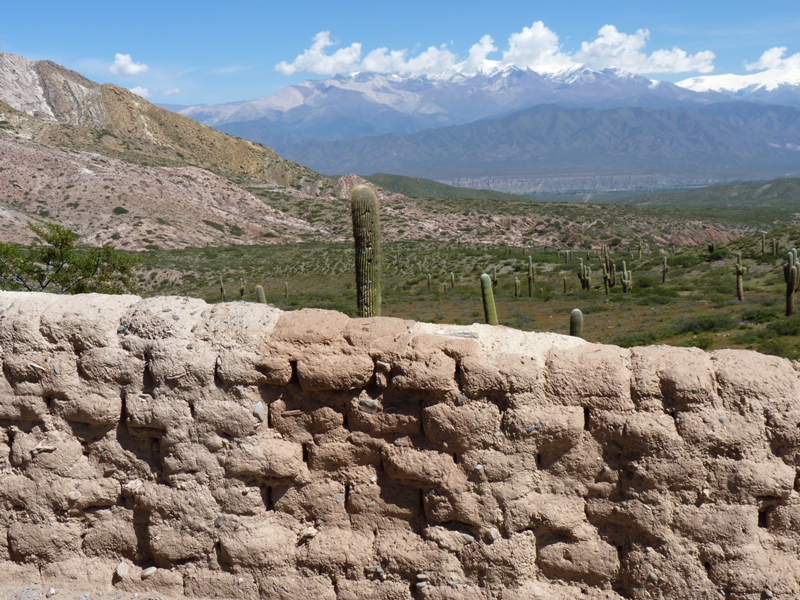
{"x": 165, "y": 446}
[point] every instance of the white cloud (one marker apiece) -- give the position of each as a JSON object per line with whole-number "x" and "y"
{"x": 535, "y": 47}
{"x": 125, "y": 67}
{"x": 613, "y": 48}
{"x": 773, "y": 59}
{"x": 172, "y": 92}
{"x": 314, "y": 59}
{"x": 434, "y": 60}
{"x": 478, "y": 54}
{"x": 141, "y": 91}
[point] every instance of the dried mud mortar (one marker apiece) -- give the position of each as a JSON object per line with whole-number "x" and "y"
{"x": 169, "y": 447}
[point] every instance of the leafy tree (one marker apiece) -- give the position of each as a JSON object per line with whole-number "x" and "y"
{"x": 56, "y": 264}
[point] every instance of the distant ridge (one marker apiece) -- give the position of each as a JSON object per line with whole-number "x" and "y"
{"x": 589, "y": 149}
{"x": 427, "y": 188}
{"x": 778, "y": 193}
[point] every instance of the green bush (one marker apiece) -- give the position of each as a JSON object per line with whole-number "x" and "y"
{"x": 705, "y": 323}
{"x": 216, "y": 226}
{"x": 704, "y": 342}
{"x": 120, "y": 210}
{"x": 789, "y": 326}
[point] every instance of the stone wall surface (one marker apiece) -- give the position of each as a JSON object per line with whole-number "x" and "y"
{"x": 168, "y": 447}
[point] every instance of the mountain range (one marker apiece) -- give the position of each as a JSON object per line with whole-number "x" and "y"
{"x": 520, "y": 131}
{"x": 117, "y": 169}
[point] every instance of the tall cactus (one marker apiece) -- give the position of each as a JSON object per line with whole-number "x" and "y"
{"x": 609, "y": 270}
{"x": 576, "y": 323}
{"x": 792, "y": 277}
{"x": 489, "y": 310}
{"x": 261, "y": 298}
{"x": 585, "y": 276}
{"x": 627, "y": 279}
{"x": 531, "y": 276}
{"x": 664, "y": 270}
{"x": 364, "y": 209}
{"x": 222, "y": 288}
{"x": 739, "y": 277}
{"x": 517, "y": 287}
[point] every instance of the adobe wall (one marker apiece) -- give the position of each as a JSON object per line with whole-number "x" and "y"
{"x": 168, "y": 447}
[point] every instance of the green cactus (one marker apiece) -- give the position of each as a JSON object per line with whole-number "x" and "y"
{"x": 585, "y": 276}
{"x": 627, "y": 279}
{"x": 489, "y": 310}
{"x": 429, "y": 282}
{"x": 763, "y": 243}
{"x": 531, "y": 276}
{"x": 790, "y": 275}
{"x": 740, "y": 270}
{"x": 221, "y": 288}
{"x": 261, "y": 297}
{"x": 609, "y": 270}
{"x": 241, "y": 289}
{"x": 494, "y": 276}
{"x": 664, "y": 270}
{"x": 286, "y": 289}
{"x": 641, "y": 248}
{"x": 517, "y": 287}
{"x": 364, "y": 209}
{"x": 452, "y": 280}
{"x": 576, "y": 323}
{"x": 565, "y": 284}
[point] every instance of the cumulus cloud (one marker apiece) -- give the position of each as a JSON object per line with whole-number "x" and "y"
{"x": 141, "y": 91}
{"x": 773, "y": 59}
{"x": 125, "y": 67}
{"x": 536, "y": 47}
{"x": 315, "y": 60}
{"x": 613, "y": 48}
{"x": 478, "y": 54}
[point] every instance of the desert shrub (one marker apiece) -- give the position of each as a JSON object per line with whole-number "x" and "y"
{"x": 704, "y": 324}
{"x": 216, "y": 226}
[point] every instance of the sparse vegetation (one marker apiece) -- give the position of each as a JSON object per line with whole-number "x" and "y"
{"x": 697, "y": 307}
{"x": 55, "y": 263}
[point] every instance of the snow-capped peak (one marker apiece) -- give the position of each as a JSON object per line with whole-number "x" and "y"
{"x": 768, "y": 80}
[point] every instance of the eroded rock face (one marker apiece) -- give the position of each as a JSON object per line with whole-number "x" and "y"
{"x": 190, "y": 450}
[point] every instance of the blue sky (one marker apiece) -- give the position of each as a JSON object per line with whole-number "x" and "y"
{"x": 210, "y": 52}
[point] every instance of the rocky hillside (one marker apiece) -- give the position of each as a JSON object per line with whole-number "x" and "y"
{"x": 47, "y": 103}
{"x": 106, "y": 162}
